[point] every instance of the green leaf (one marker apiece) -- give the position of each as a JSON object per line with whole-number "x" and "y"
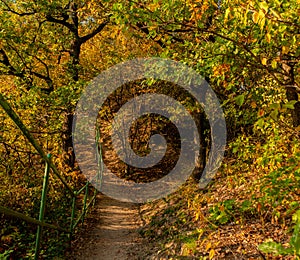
{"x": 239, "y": 100}
{"x": 274, "y": 248}
{"x": 274, "y": 114}
{"x": 275, "y": 106}
{"x": 290, "y": 104}
{"x": 295, "y": 239}
{"x": 260, "y": 122}
{"x": 245, "y": 205}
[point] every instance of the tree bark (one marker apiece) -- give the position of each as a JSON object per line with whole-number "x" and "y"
{"x": 67, "y": 142}
{"x": 200, "y": 160}
{"x": 292, "y": 94}
{"x": 74, "y": 69}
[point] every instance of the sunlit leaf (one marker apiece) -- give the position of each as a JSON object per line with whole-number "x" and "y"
{"x": 239, "y": 100}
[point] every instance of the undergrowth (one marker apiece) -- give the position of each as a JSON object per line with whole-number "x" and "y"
{"x": 253, "y": 198}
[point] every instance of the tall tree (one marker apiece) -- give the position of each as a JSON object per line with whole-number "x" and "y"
{"x": 41, "y": 43}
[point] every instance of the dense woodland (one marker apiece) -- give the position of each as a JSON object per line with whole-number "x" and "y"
{"x": 249, "y": 52}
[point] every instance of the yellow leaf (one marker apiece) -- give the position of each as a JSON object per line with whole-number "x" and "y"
{"x": 285, "y": 49}
{"x": 226, "y": 15}
{"x": 246, "y": 15}
{"x": 261, "y": 14}
{"x": 262, "y": 22}
{"x": 276, "y": 14}
{"x": 264, "y": 6}
{"x": 208, "y": 246}
{"x": 268, "y": 37}
{"x": 274, "y": 64}
{"x": 214, "y": 4}
{"x": 259, "y": 18}
{"x": 255, "y": 17}
{"x": 211, "y": 254}
{"x": 264, "y": 61}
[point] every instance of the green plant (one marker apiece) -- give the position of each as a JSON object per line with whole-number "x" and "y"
{"x": 294, "y": 244}
{"x": 6, "y": 254}
{"x": 222, "y": 212}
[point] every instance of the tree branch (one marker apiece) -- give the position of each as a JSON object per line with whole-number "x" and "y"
{"x": 11, "y": 70}
{"x": 95, "y": 32}
{"x": 63, "y": 22}
{"x": 142, "y": 27}
{"x": 15, "y": 12}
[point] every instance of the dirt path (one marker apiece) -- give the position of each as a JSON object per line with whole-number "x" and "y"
{"x": 113, "y": 233}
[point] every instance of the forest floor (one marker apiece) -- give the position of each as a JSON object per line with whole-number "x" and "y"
{"x": 111, "y": 232}
{"x": 165, "y": 229}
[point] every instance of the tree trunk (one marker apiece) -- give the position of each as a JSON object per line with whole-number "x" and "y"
{"x": 291, "y": 94}
{"x": 200, "y": 161}
{"x": 67, "y": 142}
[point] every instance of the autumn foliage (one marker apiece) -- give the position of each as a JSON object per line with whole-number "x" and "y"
{"x": 249, "y": 53}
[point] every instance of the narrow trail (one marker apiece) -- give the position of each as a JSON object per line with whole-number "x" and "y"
{"x": 113, "y": 233}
